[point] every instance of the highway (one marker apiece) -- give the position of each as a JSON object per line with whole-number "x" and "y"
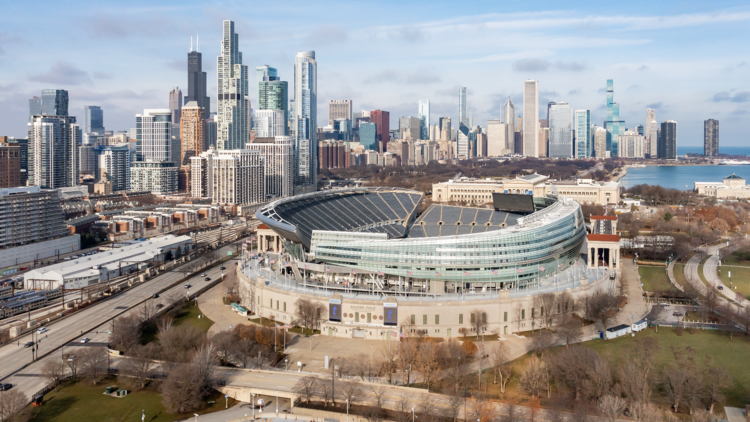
{"x": 17, "y": 367}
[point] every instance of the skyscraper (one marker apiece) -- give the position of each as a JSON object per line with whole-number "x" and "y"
{"x": 192, "y": 140}
{"x": 154, "y": 140}
{"x": 531, "y": 118}
{"x": 10, "y": 164}
{"x": 409, "y": 128}
{"x": 93, "y": 119}
{"x": 711, "y": 138}
{"x": 649, "y": 129}
{"x": 175, "y": 104}
{"x": 54, "y": 102}
{"x": 196, "y": 85}
{"x": 509, "y": 118}
{"x": 114, "y": 165}
{"x": 273, "y": 94}
{"x": 497, "y": 141}
{"x": 462, "y": 116}
{"x": 368, "y": 136}
{"x": 582, "y": 144}
{"x": 424, "y": 119}
{"x": 53, "y": 151}
{"x": 599, "y": 140}
{"x": 304, "y": 120}
{"x": 653, "y": 139}
{"x": 560, "y": 131}
{"x": 614, "y": 125}
{"x": 232, "y": 119}
{"x": 382, "y": 120}
{"x": 667, "y": 149}
{"x": 339, "y": 109}
{"x": 269, "y": 123}
{"x": 463, "y": 148}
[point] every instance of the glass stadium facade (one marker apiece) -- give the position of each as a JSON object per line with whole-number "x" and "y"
{"x": 517, "y": 252}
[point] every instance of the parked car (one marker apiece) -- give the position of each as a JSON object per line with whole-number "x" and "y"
{"x": 6, "y": 386}
{"x": 85, "y": 340}
{"x": 720, "y": 287}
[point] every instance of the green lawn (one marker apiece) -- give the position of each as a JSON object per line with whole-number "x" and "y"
{"x": 266, "y": 322}
{"x": 81, "y": 401}
{"x": 732, "y": 260}
{"x": 655, "y": 279}
{"x": 189, "y": 315}
{"x": 740, "y": 279}
{"x": 726, "y": 353}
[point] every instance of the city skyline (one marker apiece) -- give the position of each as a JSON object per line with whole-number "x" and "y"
{"x": 648, "y": 65}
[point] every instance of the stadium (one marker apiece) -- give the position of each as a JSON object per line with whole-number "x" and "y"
{"x": 366, "y": 251}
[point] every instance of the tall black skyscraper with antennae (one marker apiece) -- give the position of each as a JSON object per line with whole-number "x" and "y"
{"x": 196, "y": 88}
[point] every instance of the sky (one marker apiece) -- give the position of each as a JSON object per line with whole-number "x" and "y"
{"x": 688, "y": 60}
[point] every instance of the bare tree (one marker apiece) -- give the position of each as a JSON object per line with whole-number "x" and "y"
{"x": 164, "y": 323}
{"x": 225, "y": 343}
{"x": 404, "y": 405}
{"x": 677, "y": 378}
{"x": 636, "y": 376}
{"x": 547, "y": 310}
{"x": 716, "y": 380}
{"x": 126, "y": 332}
{"x": 408, "y": 351}
{"x": 511, "y": 414}
{"x": 11, "y": 404}
{"x": 534, "y": 377}
{"x": 543, "y": 340}
{"x": 140, "y": 366}
{"x": 53, "y": 370}
{"x": 645, "y": 412}
{"x": 500, "y": 361}
{"x": 306, "y": 386}
{"x": 378, "y": 393}
{"x": 569, "y": 330}
{"x": 611, "y": 407}
{"x": 309, "y": 313}
{"x": 581, "y": 370}
{"x": 326, "y": 390}
{"x": 478, "y": 322}
{"x": 602, "y": 307}
{"x": 204, "y": 367}
{"x": 181, "y": 391}
{"x": 427, "y": 364}
{"x": 147, "y": 311}
{"x": 94, "y": 363}
{"x": 350, "y": 391}
{"x": 72, "y": 362}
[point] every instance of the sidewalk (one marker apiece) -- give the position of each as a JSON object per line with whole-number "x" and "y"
{"x": 636, "y": 307}
{"x": 211, "y": 303}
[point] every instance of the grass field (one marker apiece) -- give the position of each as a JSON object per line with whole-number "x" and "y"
{"x": 740, "y": 279}
{"x": 655, "y": 279}
{"x": 189, "y": 315}
{"x": 81, "y": 401}
{"x": 725, "y": 353}
{"x": 733, "y": 260}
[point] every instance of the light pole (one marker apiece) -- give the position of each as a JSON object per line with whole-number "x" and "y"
{"x": 277, "y": 403}
{"x": 412, "y": 415}
{"x": 347, "y": 410}
{"x": 143, "y": 415}
{"x": 253, "y": 399}
{"x": 196, "y": 417}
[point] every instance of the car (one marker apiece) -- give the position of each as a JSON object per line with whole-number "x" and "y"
{"x": 208, "y": 278}
{"x": 720, "y": 287}
{"x": 29, "y": 344}
{"x": 156, "y": 295}
{"x": 85, "y": 340}
{"x": 6, "y": 386}
{"x": 678, "y": 314}
{"x": 67, "y": 259}
{"x": 664, "y": 304}
{"x": 223, "y": 268}
{"x": 203, "y": 275}
{"x": 41, "y": 330}
{"x": 159, "y": 306}
{"x": 187, "y": 286}
{"x": 71, "y": 358}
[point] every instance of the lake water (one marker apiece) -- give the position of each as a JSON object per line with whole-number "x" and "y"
{"x": 680, "y": 177}
{"x": 722, "y": 150}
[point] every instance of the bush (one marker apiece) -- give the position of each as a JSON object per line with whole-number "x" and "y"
{"x": 469, "y": 348}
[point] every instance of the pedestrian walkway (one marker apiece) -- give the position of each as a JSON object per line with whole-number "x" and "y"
{"x": 636, "y": 308}
{"x": 211, "y": 303}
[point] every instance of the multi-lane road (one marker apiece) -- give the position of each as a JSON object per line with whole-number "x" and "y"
{"x": 93, "y": 322}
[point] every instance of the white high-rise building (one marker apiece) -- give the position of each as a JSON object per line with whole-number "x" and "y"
{"x": 154, "y": 140}
{"x": 560, "y": 131}
{"x": 304, "y": 121}
{"x": 114, "y": 165}
{"x": 653, "y": 138}
{"x": 339, "y": 109}
{"x": 648, "y": 130}
{"x": 509, "y": 118}
{"x": 228, "y": 177}
{"x": 599, "y": 139}
{"x": 463, "y": 149}
{"x": 497, "y": 142}
{"x": 270, "y": 123}
{"x": 277, "y": 158}
{"x": 409, "y": 128}
{"x": 424, "y": 120}
{"x": 531, "y": 118}
{"x": 632, "y": 145}
{"x": 233, "y": 114}
{"x": 53, "y": 153}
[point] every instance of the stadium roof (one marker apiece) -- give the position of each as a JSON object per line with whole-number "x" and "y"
{"x": 447, "y": 220}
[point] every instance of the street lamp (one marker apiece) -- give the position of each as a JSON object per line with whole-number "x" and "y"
{"x": 253, "y": 400}
{"x": 277, "y": 403}
{"x": 412, "y": 415}
{"x": 143, "y": 415}
{"x": 196, "y": 417}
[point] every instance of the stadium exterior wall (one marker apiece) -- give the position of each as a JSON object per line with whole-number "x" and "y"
{"x": 435, "y": 317}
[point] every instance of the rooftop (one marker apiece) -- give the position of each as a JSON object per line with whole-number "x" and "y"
{"x": 734, "y": 176}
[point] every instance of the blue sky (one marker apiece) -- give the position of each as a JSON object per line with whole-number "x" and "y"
{"x": 687, "y": 59}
